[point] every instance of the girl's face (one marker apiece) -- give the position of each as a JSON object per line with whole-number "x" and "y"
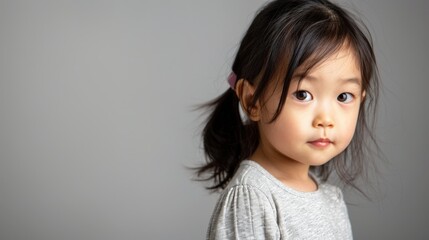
{"x": 319, "y": 117}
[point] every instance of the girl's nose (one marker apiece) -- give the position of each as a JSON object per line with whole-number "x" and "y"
{"x": 323, "y": 121}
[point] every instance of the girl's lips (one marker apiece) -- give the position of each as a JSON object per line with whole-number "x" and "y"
{"x": 321, "y": 142}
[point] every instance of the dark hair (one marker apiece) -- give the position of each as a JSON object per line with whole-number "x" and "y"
{"x": 285, "y": 35}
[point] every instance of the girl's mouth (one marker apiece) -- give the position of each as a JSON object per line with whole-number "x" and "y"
{"x": 321, "y": 142}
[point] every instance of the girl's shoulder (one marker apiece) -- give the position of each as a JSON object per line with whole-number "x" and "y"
{"x": 251, "y": 180}
{"x": 245, "y": 198}
{"x": 249, "y": 174}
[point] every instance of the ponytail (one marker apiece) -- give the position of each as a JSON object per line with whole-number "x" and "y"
{"x": 227, "y": 140}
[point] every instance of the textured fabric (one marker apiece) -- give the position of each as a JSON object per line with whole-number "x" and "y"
{"x": 255, "y": 205}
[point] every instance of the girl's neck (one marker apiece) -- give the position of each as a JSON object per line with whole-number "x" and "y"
{"x": 288, "y": 171}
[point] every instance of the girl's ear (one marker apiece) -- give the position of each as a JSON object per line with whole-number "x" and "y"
{"x": 363, "y": 95}
{"x": 245, "y": 92}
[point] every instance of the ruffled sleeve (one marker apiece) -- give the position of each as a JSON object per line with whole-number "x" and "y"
{"x": 244, "y": 212}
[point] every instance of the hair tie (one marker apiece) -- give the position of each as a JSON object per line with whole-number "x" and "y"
{"x": 232, "y": 79}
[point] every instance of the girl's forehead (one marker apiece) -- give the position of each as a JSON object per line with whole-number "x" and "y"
{"x": 344, "y": 56}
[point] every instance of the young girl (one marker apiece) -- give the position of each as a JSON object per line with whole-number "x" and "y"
{"x": 305, "y": 77}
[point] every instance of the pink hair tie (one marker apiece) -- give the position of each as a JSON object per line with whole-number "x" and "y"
{"x": 232, "y": 79}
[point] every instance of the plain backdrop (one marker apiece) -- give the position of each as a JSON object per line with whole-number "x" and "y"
{"x": 97, "y": 127}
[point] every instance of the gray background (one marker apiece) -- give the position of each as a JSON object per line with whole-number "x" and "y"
{"x": 96, "y": 126}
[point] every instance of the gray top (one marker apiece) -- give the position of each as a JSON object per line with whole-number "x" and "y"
{"x": 256, "y": 205}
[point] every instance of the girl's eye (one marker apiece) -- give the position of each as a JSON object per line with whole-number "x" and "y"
{"x": 345, "y": 97}
{"x": 302, "y": 95}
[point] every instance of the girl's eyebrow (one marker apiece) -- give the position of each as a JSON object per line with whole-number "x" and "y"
{"x": 353, "y": 80}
